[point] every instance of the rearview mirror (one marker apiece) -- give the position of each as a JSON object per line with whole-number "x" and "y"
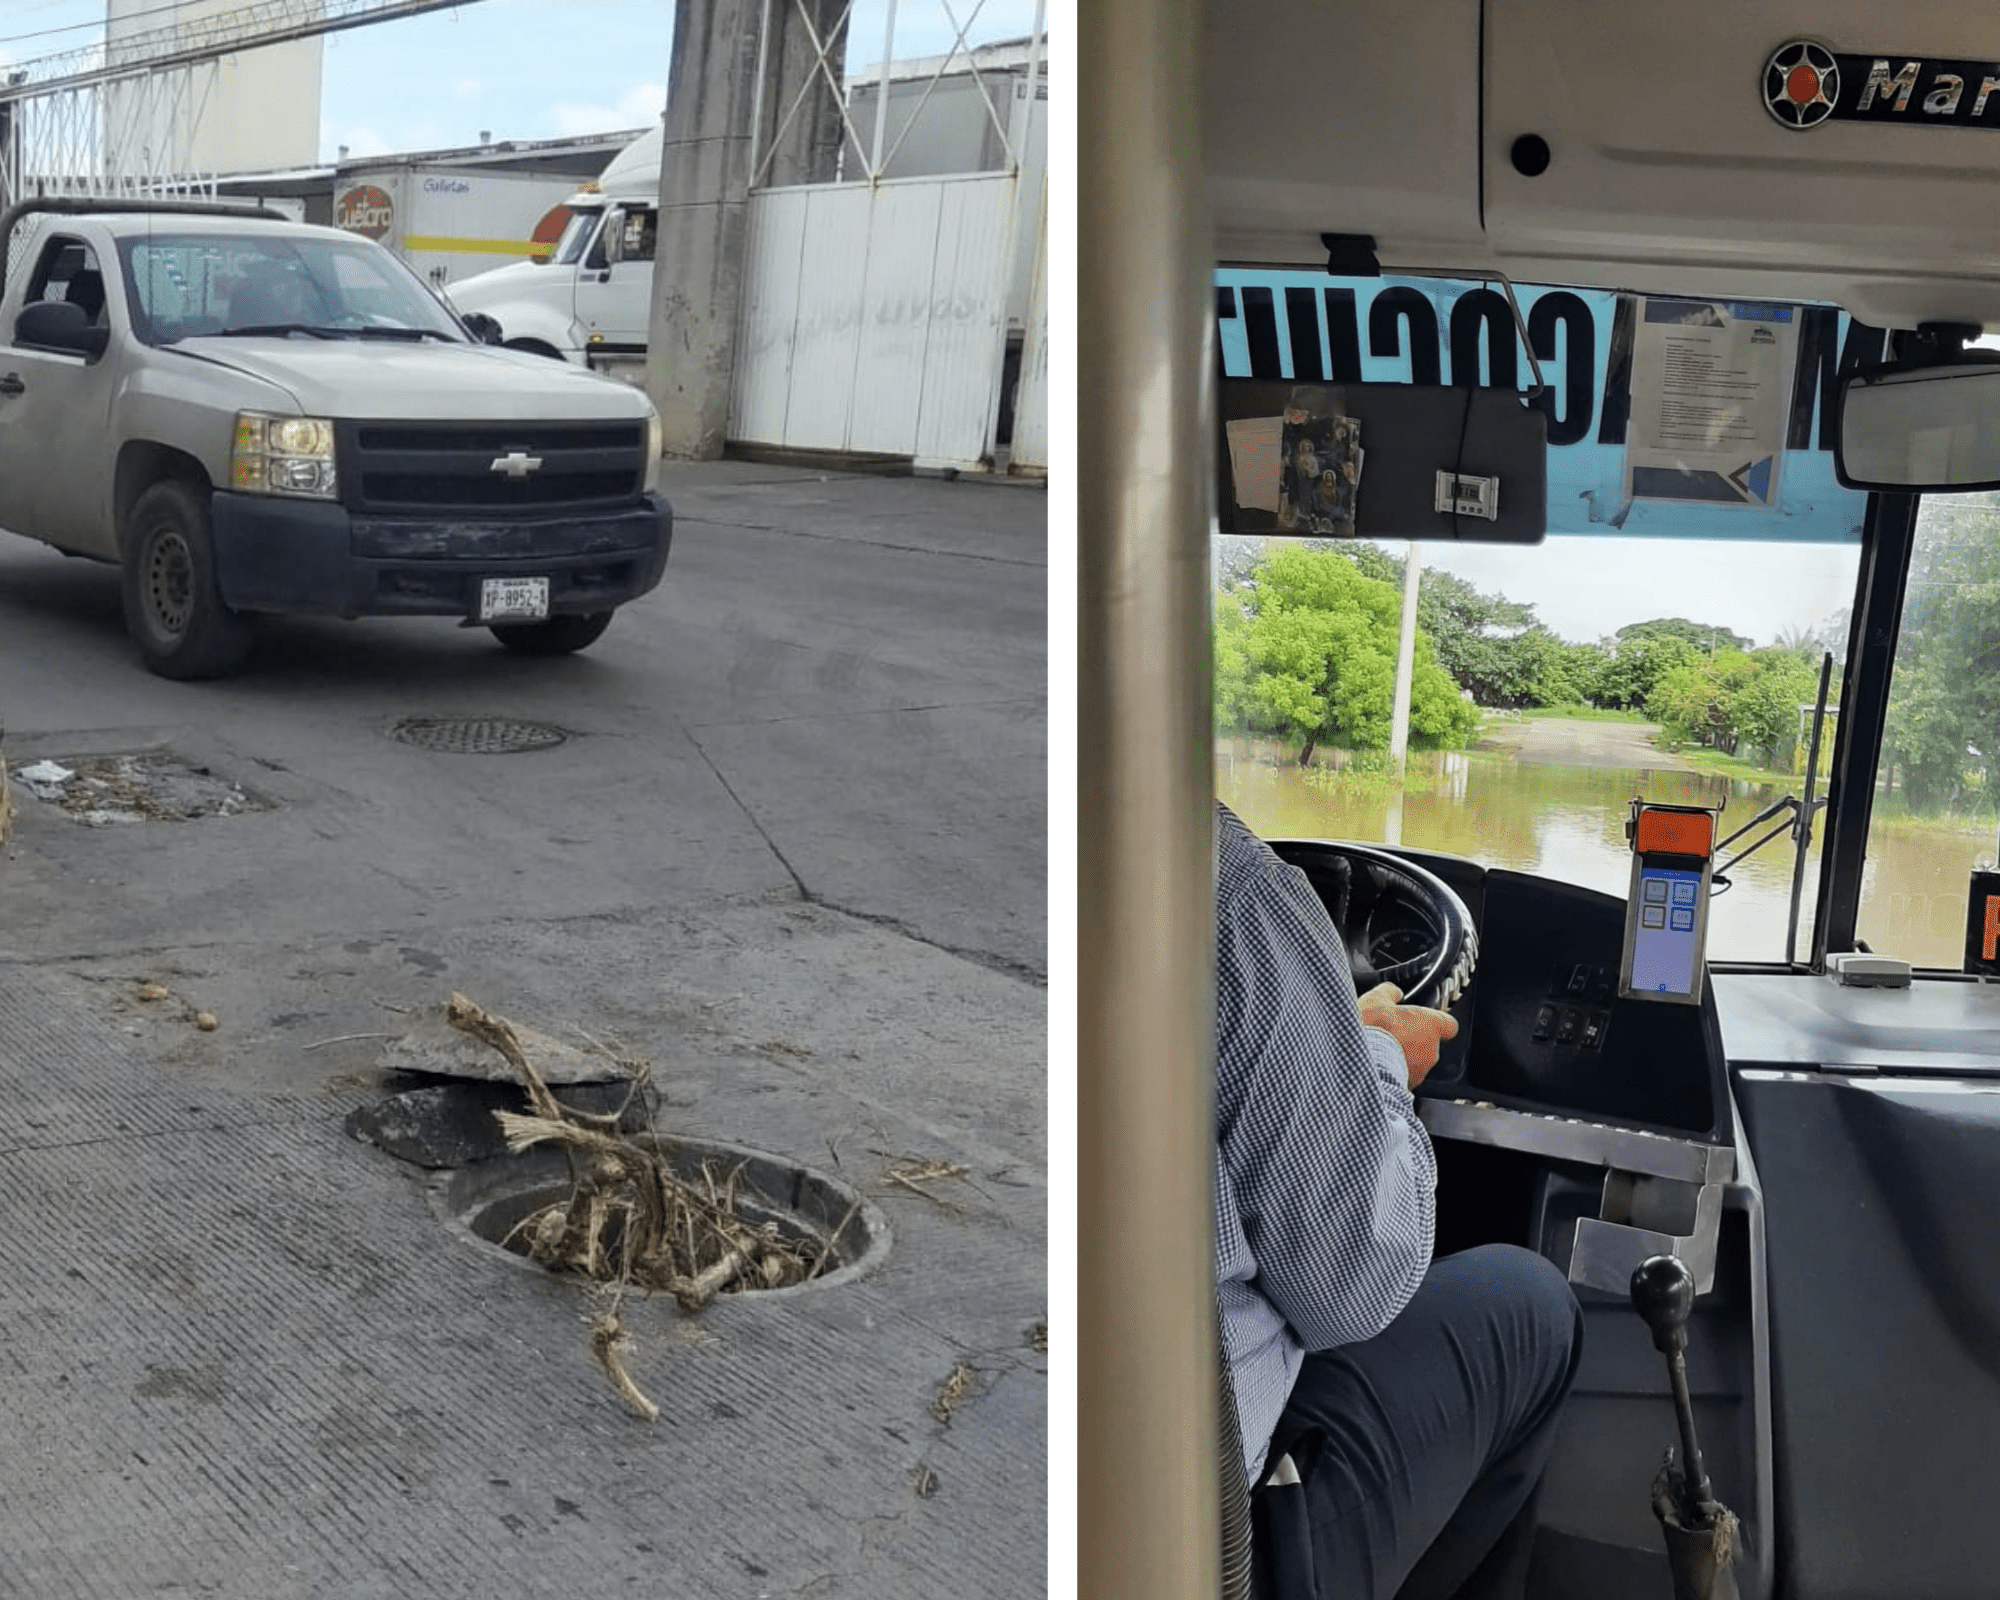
{"x": 1935, "y": 428}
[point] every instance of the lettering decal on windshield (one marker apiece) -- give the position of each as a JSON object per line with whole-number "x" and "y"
{"x": 1312, "y": 328}
{"x": 1806, "y": 84}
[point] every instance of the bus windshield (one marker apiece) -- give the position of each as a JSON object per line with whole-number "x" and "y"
{"x": 1665, "y": 640}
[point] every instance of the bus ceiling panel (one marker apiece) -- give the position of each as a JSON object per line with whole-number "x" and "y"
{"x": 1343, "y": 116}
{"x": 1843, "y": 152}
{"x": 1840, "y": 150}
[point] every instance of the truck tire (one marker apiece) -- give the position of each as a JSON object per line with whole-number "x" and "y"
{"x": 173, "y": 609}
{"x": 559, "y": 636}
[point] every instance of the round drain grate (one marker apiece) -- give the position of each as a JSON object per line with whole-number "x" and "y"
{"x": 477, "y": 736}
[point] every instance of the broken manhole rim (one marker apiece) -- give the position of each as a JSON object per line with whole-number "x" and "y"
{"x": 460, "y": 1196}
{"x": 477, "y": 734}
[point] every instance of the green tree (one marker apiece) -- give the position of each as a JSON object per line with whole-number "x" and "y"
{"x": 1636, "y": 666}
{"x": 1307, "y": 649}
{"x": 1706, "y": 637}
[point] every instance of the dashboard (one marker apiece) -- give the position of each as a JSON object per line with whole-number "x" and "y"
{"x": 1542, "y": 1027}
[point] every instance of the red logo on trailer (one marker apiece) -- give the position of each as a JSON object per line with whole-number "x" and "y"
{"x": 365, "y": 210}
{"x": 1801, "y": 81}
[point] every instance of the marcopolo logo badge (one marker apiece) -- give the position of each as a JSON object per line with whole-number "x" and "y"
{"x": 1801, "y": 83}
{"x": 365, "y": 210}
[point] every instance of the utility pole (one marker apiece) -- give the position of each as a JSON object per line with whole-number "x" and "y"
{"x": 1406, "y": 657}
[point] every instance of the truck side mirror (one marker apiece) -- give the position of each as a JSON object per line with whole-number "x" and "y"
{"x": 58, "y": 325}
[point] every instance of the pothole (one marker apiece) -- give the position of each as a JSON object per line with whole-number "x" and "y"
{"x": 154, "y": 786}
{"x": 817, "y": 1215}
{"x": 478, "y": 736}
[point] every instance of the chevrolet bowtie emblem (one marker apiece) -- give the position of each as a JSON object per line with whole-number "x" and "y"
{"x": 517, "y": 464}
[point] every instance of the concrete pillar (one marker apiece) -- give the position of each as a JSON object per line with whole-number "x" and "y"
{"x": 705, "y": 177}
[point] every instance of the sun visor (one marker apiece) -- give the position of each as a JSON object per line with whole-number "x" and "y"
{"x": 1433, "y": 463}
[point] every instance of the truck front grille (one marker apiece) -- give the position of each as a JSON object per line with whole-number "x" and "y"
{"x": 490, "y": 469}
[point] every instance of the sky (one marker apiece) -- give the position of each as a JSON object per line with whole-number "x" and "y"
{"x": 1585, "y": 588}
{"x": 518, "y": 69}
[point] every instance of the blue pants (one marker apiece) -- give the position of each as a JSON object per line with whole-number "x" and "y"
{"x": 1422, "y": 1449}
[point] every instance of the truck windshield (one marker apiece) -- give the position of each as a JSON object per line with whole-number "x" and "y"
{"x": 189, "y": 285}
{"x": 576, "y": 236}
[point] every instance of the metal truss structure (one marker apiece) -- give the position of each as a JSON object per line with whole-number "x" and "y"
{"x": 120, "y": 119}
{"x": 863, "y": 157}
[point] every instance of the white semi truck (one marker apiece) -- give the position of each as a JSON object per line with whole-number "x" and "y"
{"x": 589, "y": 301}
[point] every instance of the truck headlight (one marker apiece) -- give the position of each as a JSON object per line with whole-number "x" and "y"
{"x": 282, "y": 455}
{"x": 656, "y": 440}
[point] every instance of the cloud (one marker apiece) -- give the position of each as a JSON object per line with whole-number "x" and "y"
{"x": 637, "y": 107}
{"x": 465, "y": 88}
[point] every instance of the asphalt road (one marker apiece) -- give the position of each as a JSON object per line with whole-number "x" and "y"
{"x": 792, "y": 852}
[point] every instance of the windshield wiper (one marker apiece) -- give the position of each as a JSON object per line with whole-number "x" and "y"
{"x": 412, "y": 334}
{"x": 280, "y": 329}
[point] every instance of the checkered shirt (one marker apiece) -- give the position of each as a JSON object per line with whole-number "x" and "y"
{"x": 1325, "y": 1181}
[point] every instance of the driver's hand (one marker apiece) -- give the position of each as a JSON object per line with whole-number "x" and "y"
{"x": 1418, "y": 1029}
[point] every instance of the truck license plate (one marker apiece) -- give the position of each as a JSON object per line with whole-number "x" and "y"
{"x": 513, "y": 599}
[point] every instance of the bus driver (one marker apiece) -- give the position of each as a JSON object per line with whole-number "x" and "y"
{"x": 1417, "y": 1399}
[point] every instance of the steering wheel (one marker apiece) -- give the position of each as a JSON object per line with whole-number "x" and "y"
{"x": 1400, "y": 922}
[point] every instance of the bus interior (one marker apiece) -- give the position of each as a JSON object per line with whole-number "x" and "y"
{"x": 1622, "y": 313}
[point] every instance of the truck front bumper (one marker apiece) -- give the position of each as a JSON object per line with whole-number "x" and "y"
{"x": 308, "y": 558}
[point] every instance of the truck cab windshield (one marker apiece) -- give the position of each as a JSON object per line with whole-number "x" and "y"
{"x": 576, "y": 237}
{"x": 197, "y": 285}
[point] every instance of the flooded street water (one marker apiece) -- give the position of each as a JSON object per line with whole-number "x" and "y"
{"x": 1502, "y": 808}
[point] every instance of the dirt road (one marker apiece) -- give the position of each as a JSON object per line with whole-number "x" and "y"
{"x": 1570, "y": 742}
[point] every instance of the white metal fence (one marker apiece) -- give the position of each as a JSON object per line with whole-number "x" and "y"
{"x": 875, "y": 310}
{"x": 874, "y": 318}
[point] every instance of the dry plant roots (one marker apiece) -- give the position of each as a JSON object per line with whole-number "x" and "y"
{"x": 631, "y": 1221}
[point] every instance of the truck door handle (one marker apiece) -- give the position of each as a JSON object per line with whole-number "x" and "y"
{"x": 12, "y": 384}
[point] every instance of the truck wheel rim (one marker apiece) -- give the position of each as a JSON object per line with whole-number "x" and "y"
{"x": 169, "y": 582}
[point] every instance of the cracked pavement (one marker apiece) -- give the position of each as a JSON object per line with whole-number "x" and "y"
{"x": 793, "y": 853}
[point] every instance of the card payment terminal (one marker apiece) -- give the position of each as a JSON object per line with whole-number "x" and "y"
{"x": 1666, "y": 913}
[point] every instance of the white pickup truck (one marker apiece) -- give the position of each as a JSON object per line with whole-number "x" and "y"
{"x": 250, "y": 415}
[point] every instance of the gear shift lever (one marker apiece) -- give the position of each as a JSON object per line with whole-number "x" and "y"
{"x": 1701, "y": 1534}
{"x": 1663, "y": 1295}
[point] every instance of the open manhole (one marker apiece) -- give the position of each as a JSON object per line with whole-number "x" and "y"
{"x": 478, "y": 736}
{"x": 819, "y": 1216}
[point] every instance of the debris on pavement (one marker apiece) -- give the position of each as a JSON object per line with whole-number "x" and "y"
{"x": 439, "y": 1125}
{"x": 437, "y": 1048}
{"x": 156, "y": 786}
{"x": 206, "y": 1021}
{"x": 913, "y": 1175}
{"x": 1038, "y": 1337}
{"x": 955, "y": 1389}
{"x": 44, "y": 779}
{"x": 608, "y": 1340}
{"x": 631, "y": 1221}
{"x": 153, "y": 991}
